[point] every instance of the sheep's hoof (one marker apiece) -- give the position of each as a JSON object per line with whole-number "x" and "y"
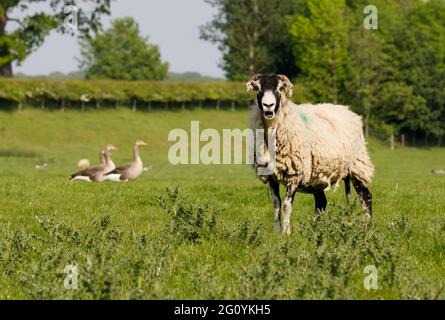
{"x": 368, "y": 218}
{"x": 286, "y": 230}
{"x": 264, "y": 179}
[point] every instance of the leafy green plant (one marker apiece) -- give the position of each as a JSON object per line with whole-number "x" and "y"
{"x": 189, "y": 221}
{"x": 38, "y": 91}
{"x": 324, "y": 259}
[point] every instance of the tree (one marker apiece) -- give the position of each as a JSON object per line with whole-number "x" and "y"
{"x": 422, "y": 61}
{"x": 402, "y": 108}
{"x": 366, "y": 71}
{"x": 253, "y": 36}
{"x": 321, "y": 46}
{"x": 30, "y": 31}
{"x": 370, "y": 64}
{"x": 122, "y": 53}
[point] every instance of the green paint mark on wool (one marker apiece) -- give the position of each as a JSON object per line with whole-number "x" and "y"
{"x": 304, "y": 118}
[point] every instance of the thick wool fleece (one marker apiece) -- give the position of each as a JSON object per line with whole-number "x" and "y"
{"x": 317, "y": 145}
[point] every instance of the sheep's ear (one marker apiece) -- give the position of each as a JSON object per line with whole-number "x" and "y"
{"x": 253, "y": 83}
{"x": 286, "y": 84}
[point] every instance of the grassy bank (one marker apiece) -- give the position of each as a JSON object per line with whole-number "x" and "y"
{"x": 126, "y": 243}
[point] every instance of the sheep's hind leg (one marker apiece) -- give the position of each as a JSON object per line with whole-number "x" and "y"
{"x": 320, "y": 201}
{"x": 287, "y": 208}
{"x": 364, "y": 195}
{"x": 347, "y": 181}
{"x": 276, "y": 202}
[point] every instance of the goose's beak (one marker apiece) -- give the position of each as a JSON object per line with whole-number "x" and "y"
{"x": 113, "y": 148}
{"x": 143, "y": 143}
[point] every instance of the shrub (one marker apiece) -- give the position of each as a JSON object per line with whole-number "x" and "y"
{"x": 39, "y": 91}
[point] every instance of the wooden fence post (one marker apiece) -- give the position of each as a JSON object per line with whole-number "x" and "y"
{"x": 392, "y": 142}
{"x": 403, "y": 141}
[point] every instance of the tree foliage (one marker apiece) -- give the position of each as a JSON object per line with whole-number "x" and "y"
{"x": 320, "y": 45}
{"x": 29, "y": 31}
{"x": 394, "y": 76}
{"x": 122, "y": 53}
{"x": 252, "y": 34}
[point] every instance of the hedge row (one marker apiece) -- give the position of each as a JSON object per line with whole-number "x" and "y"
{"x": 81, "y": 92}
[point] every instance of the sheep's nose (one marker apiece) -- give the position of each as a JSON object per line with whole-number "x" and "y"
{"x": 270, "y": 105}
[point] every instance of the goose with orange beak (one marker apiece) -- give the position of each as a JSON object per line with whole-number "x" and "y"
{"x": 96, "y": 173}
{"x": 130, "y": 171}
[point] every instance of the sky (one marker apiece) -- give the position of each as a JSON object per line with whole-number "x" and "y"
{"x": 171, "y": 24}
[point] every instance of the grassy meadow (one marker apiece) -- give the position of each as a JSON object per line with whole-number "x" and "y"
{"x": 197, "y": 231}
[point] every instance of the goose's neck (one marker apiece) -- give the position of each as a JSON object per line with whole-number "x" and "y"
{"x": 103, "y": 158}
{"x": 110, "y": 162}
{"x": 108, "y": 159}
{"x": 136, "y": 155}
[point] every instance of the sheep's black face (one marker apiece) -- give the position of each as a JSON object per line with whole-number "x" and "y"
{"x": 269, "y": 96}
{"x": 269, "y": 92}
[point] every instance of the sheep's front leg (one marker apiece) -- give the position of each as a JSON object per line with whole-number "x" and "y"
{"x": 276, "y": 202}
{"x": 262, "y": 152}
{"x": 287, "y": 208}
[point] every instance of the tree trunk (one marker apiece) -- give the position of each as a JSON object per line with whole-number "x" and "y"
{"x": 6, "y": 68}
{"x": 253, "y": 42}
{"x": 334, "y": 74}
{"x": 334, "y": 85}
{"x": 367, "y": 116}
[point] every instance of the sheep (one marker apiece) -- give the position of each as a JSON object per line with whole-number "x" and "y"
{"x": 314, "y": 146}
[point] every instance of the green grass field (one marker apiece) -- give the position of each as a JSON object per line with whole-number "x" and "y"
{"x": 211, "y": 238}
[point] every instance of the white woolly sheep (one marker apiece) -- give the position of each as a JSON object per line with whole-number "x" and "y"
{"x": 316, "y": 146}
